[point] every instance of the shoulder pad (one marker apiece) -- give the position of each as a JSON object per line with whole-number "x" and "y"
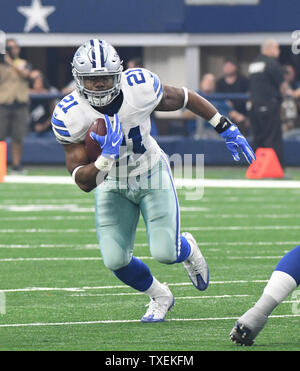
{"x": 144, "y": 85}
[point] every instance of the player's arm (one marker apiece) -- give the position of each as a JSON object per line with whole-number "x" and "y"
{"x": 174, "y": 99}
{"x": 83, "y": 172}
{"x": 177, "y": 98}
{"x": 88, "y": 175}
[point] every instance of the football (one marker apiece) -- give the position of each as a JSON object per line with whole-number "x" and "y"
{"x": 93, "y": 148}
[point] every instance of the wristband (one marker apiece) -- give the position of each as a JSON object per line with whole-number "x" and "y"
{"x": 75, "y": 171}
{"x": 186, "y": 97}
{"x": 104, "y": 163}
{"x": 215, "y": 120}
{"x": 220, "y": 123}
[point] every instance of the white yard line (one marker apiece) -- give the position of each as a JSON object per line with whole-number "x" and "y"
{"x": 96, "y": 247}
{"x": 43, "y": 217}
{"x": 208, "y": 228}
{"x": 243, "y": 228}
{"x": 246, "y": 216}
{"x": 132, "y": 321}
{"x": 31, "y": 179}
{"x": 242, "y": 243}
{"x": 30, "y": 208}
{"x": 176, "y": 297}
{"x": 179, "y": 182}
{"x": 16, "y": 260}
{"x": 85, "y": 288}
{"x": 54, "y": 246}
{"x": 44, "y": 230}
{"x": 254, "y": 257}
{"x": 182, "y": 210}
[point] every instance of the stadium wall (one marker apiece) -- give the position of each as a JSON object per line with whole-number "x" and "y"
{"x": 166, "y": 17}
{"x": 47, "y": 151}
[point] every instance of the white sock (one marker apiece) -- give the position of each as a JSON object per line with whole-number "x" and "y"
{"x": 280, "y": 286}
{"x": 156, "y": 289}
{"x": 277, "y": 289}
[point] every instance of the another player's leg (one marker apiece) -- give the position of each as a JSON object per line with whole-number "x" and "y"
{"x": 160, "y": 211}
{"x": 116, "y": 222}
{"x": 284, "y": 279}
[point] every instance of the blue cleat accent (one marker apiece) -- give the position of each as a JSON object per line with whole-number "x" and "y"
{"x": 196, "y": 265}
{"x": 158, "y": 308}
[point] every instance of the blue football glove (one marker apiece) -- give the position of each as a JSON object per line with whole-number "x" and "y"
{"x": 234, "y": 140}
{"x": 110, "y": 143}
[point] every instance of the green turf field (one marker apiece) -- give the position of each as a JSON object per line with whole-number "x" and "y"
{"x": 59, "y": 296}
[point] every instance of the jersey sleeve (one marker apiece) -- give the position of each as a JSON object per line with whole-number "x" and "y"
{"x": 146, "y": 88}
{"x": 67, "y": 121}
{"x": 59, "y": 127}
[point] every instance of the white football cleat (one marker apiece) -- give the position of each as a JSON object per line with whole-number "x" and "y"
{"x": 158, "y": 307}
{"x": 247, "y": 327}
{"x": 196, "y": 265}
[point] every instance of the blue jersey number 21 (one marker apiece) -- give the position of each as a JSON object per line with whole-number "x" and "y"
{"x": 136, "y": 76}
{"x": 66, "y": 103}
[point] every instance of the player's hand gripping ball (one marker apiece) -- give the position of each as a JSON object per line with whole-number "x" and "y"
{"x": 93, "y": 148}
{"x": 110, "y": 142}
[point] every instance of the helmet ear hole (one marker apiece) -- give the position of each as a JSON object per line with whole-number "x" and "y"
{"x": 80, "y": 61}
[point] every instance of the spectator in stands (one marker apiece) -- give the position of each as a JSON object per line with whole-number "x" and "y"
{"x": 199, "y": 128}
{"x": 293, "y": 88}
{"x": 289, "y": 105}
{"x": 14, "y": 101}
{"x": 233, "y": 82}
{"x": 41, "y": 108}
{"x": 289, "y": 75}
{"x": 135, "y": 62}
{"x": 266, "y": 89}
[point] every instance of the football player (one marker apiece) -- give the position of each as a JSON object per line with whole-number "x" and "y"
{"x": 284, "y": 280}
{"x": 130, "y": 159}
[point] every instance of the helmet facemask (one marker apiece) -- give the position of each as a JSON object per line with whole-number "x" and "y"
{"x": 98, "y": 98}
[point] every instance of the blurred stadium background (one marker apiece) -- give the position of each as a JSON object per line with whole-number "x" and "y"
{"x": 181, "y": 40}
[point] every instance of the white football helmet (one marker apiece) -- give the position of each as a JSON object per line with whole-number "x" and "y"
{"x": 97, "y": 58}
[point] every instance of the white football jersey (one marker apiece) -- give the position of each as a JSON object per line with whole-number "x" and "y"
{"x": 142, "y": 91}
